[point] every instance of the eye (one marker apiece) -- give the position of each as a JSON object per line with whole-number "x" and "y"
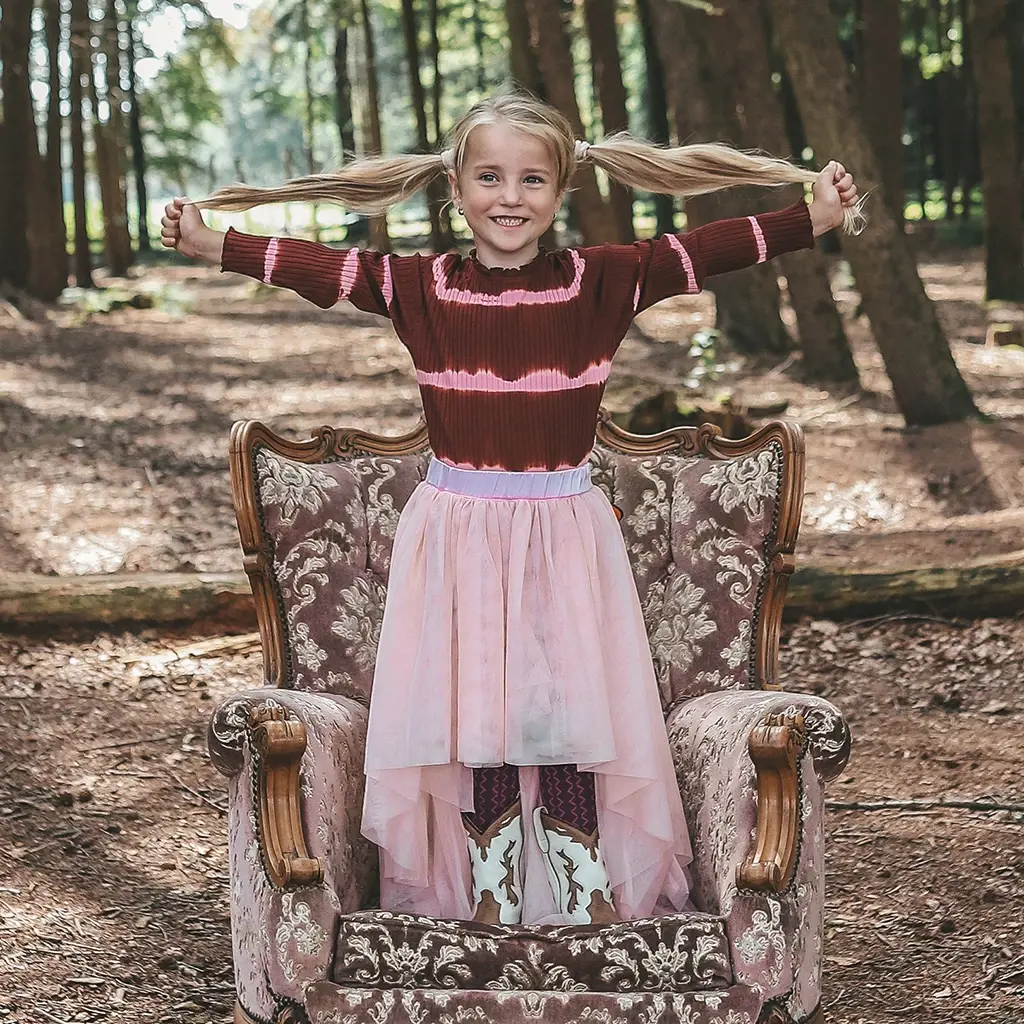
{"x": 488, "y": 176}
{"x": 534, "y": 179}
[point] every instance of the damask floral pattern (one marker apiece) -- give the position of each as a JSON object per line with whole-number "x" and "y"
{"x": 331, "y": 528}
{"x": 674, "y": 953}
{"x": 699, "y": 534}
{"x": 776, "y": 940}
{"x": 284, "y": 939}
{"x": 328, "y": 1003}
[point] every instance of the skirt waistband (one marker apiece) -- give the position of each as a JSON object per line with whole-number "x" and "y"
{"x": 496, "y": 483}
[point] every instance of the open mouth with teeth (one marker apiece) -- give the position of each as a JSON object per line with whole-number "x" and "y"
{"x": 509, "y": 222}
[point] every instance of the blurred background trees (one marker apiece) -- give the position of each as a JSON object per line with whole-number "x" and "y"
{"x": 111, "y": 106}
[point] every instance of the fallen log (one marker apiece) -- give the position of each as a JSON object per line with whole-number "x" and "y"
{"x": 990, "y": 586}
{"x": 217, "y": 601}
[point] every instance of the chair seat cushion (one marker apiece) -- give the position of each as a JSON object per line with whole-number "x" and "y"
{"x": 675, "y": 953}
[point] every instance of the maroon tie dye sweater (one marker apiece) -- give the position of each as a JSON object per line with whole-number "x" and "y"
{"x": 512, "y": 364}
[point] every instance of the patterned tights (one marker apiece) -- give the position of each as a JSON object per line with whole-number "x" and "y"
{"x": 568, "y": 795}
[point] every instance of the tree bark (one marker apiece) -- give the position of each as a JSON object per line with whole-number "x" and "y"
{"x": 657, "y": 110}
{"x": 478, "y": 42}
{"x": 107, "y": 139}
{"x": 596, "y": 221}
{"x": 21, "y": 149}
{"x": 343, "y": 87}
{"x": 138, "y": 147}
{"x": 372, "y": 142}
{"x": 742, "y": 40}
{"x": 521, "y": 54}
{"x": 441, "y": 236}
{"x": 880, "y": 89}
{"x": 746, "y": 303}
{"x": 80, "y": 66}
{"x": 435, "y": 60}
{"x": 926, "y": 382}
{"x": 1000, "y": 159}
{"x": 48, "y": 270}
{"x": 607, "y": 66}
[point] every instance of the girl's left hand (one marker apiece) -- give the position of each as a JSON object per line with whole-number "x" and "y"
{"x": 833, "y": 192}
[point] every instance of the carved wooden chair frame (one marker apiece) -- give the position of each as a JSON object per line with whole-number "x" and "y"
{"x": 776, "y": 744}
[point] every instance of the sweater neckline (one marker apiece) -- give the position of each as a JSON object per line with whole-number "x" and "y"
{"x": 542, "y": 255}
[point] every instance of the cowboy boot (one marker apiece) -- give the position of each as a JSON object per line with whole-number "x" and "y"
{"x": 495, "y": 856}
{"x": 576, "y": 871}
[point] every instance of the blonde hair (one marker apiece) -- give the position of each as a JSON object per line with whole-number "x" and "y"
{"x": 374, "y": 184}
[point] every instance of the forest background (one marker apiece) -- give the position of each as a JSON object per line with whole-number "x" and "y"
{"x": 899, "y": 352}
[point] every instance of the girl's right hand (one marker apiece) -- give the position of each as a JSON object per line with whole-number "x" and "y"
{"x": 182, "y": 228}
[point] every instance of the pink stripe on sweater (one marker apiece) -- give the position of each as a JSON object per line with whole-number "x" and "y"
{"x": 511, "y": 297}
{"x": 762, "y": 248}
{"x": 692, "y": 288}
{"x": 349, "y": 273}
{"x": 269, "y": 260}
{"x": 537, "y": 381}
{"x": 388, "y": 287}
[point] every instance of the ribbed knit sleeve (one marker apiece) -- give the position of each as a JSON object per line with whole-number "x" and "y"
{"x": 679, "y": 264}
{"x": 317, "y": 272}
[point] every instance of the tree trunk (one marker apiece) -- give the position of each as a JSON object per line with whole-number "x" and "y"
{"x": 657, "y": 111}
{"x": 521, "y": 54}
{"x": 48, "y": 271}
{"x": 138, "y": 148}
{"x": 743, "y": 42}
{"x": 107, "y": 139}
{"x": 926, "y": 382}
{"x": 880, "y": 76}
{"x": 80, "y": 66}
{"x": 21, "y": 148}
{"x": 441, "y": 236}
{"x": 747, "y": 303}
{"x": 969, "y": 129}
{"x": 372, "y": 141}
{"x": 595, "y": 217}
{"x": 607, "y": 67}
{"x": 343, "y": 89}
{"x": 435, "y": 60}
{"x": 919, "y": 18}
{"x": 1000, "y": 160}
{"x": 478, "y": 42}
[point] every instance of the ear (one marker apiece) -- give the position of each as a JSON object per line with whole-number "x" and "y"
{"x": 453, "y": 184}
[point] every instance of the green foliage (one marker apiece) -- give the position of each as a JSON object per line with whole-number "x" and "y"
{"x": 704, "y": 349}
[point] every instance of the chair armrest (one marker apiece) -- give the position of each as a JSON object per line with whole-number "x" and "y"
{"x": 296, "y": 857}
{"x": 751, "y": 766}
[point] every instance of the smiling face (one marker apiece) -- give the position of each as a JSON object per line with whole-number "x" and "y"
{"x": 508, "y": 186}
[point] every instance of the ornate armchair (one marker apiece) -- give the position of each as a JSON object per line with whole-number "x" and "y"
{"x": 710, "y": 525}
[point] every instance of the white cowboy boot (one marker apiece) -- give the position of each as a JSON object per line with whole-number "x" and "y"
{"x": 495, "y": 856}
{"x": 576, "y": 871}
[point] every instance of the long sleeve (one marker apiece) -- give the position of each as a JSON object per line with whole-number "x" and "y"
{"x": 317, "y": 272}
{"x": 679, "y": 264}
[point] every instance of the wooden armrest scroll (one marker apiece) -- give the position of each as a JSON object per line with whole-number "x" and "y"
{"x": 280, "y": 743}
{"x": 775, "y": 747}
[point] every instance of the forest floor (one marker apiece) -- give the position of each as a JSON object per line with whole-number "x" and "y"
{"x": 113, "y": 895}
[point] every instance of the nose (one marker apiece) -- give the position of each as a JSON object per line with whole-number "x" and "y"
{"x": 510, "y": 195}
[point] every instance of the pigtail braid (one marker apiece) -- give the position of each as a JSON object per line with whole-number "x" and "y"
{"x": 370, "y": 185}
{"x": 696, "y": 169}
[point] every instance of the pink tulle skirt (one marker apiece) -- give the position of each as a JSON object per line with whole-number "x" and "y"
{"x": 513, "y": 634}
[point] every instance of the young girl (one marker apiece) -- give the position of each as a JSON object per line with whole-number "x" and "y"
{"x": 515, "y": 711}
